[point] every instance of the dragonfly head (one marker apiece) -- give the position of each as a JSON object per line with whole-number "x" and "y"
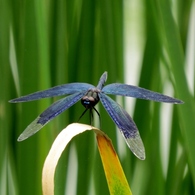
{"x": 90, "y": 99}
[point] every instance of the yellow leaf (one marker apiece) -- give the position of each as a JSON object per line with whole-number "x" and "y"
{"x": 116, "y": 179}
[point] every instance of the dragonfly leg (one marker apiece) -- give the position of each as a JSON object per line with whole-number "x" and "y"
{"x": 82, "y": 114}
{"x": 98, "y": 115}
{"x": 91, "y": 116}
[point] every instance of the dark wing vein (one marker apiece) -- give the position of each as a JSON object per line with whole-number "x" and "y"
{"x": 54, "y": 110}
{"x": 125, "y": 124}
{"x": 59, "y": 90}
{"x": 138, "y": 92}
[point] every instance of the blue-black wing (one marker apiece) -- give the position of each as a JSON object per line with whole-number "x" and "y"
{"x": 138, "y": 92}
{"x": 54, "y": 110}
{"x": 125, "y": 124}
{"x": 59, "y": 90}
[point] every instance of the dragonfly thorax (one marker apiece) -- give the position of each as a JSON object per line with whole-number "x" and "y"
{"x": 90, "y": 99}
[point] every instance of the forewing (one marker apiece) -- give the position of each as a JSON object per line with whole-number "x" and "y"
{"x": 138, "y": 92}
{"x": 125, "y": 124}
{"x": 59, "y": 90}
{"x": 54, "y": 110}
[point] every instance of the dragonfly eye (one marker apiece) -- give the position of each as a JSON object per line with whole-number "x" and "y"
{"x": 86, "y": 103}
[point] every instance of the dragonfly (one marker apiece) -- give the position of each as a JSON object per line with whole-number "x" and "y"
{"x": 90, "y": 96}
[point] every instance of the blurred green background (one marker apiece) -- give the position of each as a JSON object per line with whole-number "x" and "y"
{"x": 146, "y": 43}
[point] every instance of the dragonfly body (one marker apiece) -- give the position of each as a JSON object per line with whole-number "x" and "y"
{"x": 90, "y": 96}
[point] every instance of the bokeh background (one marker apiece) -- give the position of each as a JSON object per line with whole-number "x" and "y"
{"x": 146, "y": 43}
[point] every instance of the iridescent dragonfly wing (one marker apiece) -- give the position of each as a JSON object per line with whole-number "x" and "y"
{"x": 138, "y": 92}
{"x": 59, "y": 90}
{"x": 54, "y": 110}
{"x": 126, "y": 125}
